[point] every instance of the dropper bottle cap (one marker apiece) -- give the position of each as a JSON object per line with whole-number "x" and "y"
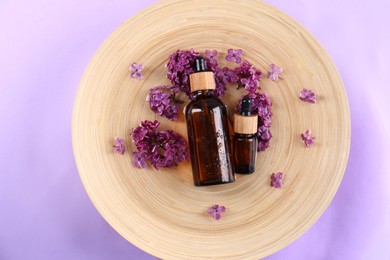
{"x": 201, "y": 79}
{"x": 199, "y": 64}
{"x": 246, "y": 106}
{"x": 244, "y": 122}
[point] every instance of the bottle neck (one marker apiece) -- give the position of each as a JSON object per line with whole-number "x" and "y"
{"x": 245, "y": 113}
{"x": 202, "y": 93}
{"x": 249, "y": 136}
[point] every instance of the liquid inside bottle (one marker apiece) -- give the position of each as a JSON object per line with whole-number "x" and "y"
{"x": 245, "y": 152}
{"x": 208, "y": 131}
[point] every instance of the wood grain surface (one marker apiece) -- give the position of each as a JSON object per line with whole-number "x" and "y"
{"x": 162, "y": 212}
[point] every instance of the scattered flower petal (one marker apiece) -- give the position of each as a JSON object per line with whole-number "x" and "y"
{"x": 273, "y": 72}
{"x": 162, "y": 101}
{"x": 308, "y": 96}
{"x": 164, "y": 148}
{"x": 277, "y": 180}
{"x": 234, "y": 55}
{"x": 139, "y": 160}
{"x": 136, "y": 70}
{"x": 119, "y": 147}
{"x": 307, "y": 138}
{"x": 216, "y": 211}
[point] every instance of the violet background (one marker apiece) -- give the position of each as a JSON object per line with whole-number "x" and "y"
{"x": 45, "y": 47}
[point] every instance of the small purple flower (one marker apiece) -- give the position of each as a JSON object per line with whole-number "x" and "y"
{"x": 136, "y": 70}
{"x": 211, "y": 58}
{"x": 307, "y": 138}
{"x": 277, "y": 180}
{"x": 119, "y": 147}
{"x": 273, "y": 72}
{"x": 308, "y": 96}
{"x": 216, "y": 211}
{"x": 139, "y": 134}
{"x": 149, "y": 125}
{"x": 234, "y": 55}
{"x": 139, "y": 160}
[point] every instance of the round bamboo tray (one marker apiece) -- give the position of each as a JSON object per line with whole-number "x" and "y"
{"x": 162, "y": 212}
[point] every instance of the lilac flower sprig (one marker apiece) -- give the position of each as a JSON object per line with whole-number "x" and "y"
{"x": 261, "y": 105}
{"x": 162, "y": 100}
{"x": 163, "y": 148}
{"x": 216, "y": 211}
{"x": 180, "y": 66}
{"x": 248, "y": 76}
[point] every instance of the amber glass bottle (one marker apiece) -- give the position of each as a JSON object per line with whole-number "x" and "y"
{"x": 208, "y": 132}
{"x": 245, "y": 139}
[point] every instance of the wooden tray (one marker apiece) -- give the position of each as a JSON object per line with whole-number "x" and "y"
{"x": 162, "y": 212}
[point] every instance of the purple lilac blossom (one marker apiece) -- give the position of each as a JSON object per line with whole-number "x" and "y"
{"x": 216, "y": 211}
{"x": 273, "y": 72}
{"x": 139, "y": 160}
{"x": 307, "y": 138}
{"x": 119, "y": 147}
{"x": 136, "y": 70}
{"x": 234, "y": 55}
{"x": 162, "y": 101}
{"x": 308, "y": 96}
{"x": 163, "y": 148}
{"x": 249, "y": 76}
{"x": 277, "y": 180}
{"x": 179, "y": 66}
{"x": 222, "y": 78}
{"x": 211, "y": 61}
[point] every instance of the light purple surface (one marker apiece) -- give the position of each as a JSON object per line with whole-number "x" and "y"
{"x": 45, "y": 47}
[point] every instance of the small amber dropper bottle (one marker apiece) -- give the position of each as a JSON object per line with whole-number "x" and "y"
{"x": 208, "y": 132}
{"x": 245, "y": 139}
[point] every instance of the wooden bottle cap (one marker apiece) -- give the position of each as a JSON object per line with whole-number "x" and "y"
{"x": 202, "y": 81}
{"x": 245, "y": 124}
